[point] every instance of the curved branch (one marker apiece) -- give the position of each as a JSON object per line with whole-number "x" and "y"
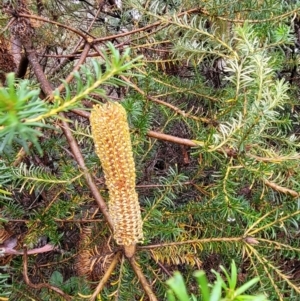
{"x": 281, "y": 189}
{"x": 85, "y": 37}
{"x": 40, "y": 285}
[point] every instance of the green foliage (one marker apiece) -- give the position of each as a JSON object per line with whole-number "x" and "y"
{"x": 223, "y": 76}
{"x": 220, "y": 290}
{"x": 18, "y": 104}
{"x": 114, "y": 64}
{"x": 22, "y": 112}
{"x": 136, "y": 111}
{"x": 5, "y": 287}
{"x": 72, "y": 286}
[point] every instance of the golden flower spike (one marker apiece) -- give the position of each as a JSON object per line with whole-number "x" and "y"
{"x": 111, "y": 136}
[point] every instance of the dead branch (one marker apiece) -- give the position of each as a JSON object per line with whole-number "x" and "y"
{"x": 40, "y": 285}
{"x": 69, "y": 59}
{"x": 85, "y": 37}
{"x": 145, "y": 28}
{"x": 37, "y": 68}
{"x": 281, "y": 189}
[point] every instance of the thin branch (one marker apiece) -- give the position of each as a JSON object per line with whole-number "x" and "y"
{"x": 145, "y": 28}
{"x": 166, "y": 104}
{"x": 72, "y": 57}
{"x": 36, "y": 67}
{"x": 46, "y": 248}
{"x": 40, "y": 285}
{"x": 107, "y": 38}
{"x": 77, "y": 53}
{"x": 144, "y": 282}
{"x": 170, "y": 138}
{"x": 81, "y": 113}
{"x": 162, "y": 267}
{"x": 281, "y": 189}
{"x": 11, "y": 21}
{"x": 173, "y": 139}
{"x": 154, "y": 134}
{"x": 21, "y": 154}
{"x": 85, "y": 37}
{"x": 79, "y": 158}
{"x": 84, "y": 54}
{"x": 106, "y": 276}
{"x": 195, "y": 143}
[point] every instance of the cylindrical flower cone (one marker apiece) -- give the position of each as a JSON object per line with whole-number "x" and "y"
{"x": 110, "y": 132}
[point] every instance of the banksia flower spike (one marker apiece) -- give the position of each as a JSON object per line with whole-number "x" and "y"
{"x": 110, "y": 133}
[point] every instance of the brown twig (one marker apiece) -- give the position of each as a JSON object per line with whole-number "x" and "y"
{"x": 173, "y": 139}
{"x": 40, "y": 285}
{"x": 72, "y": 57}
{"x": 69, "y": 78}
{"x": 281, "y": 189}
{"x": 21, "y": 154}
{"x": 145, "y": 28}
{"x": 162, "y": 267}
{"x": 144, "y": 282}
{"x": 36, "y": 67}
{"x": 11, "y": 21}
{"x": 46, "y": 248}
{"x": 192, "y": 143}
{"x": 85, "y": 37}
{"x": 106, "y": 276}
{"x": 79, "y": 158}
{"x": 166, "y": 104}
{"x": 107, "y": 38}
{"x": 166, "y": 137}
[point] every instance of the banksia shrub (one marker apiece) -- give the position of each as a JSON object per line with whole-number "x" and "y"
{"x": 113, "y": 146}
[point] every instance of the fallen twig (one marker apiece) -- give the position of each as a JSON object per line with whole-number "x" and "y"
{"x": 40, "y": 285}
{"x": 284, "y": 190}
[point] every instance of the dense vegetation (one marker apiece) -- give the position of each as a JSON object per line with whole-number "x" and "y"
{"x": 211, "y": 93}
